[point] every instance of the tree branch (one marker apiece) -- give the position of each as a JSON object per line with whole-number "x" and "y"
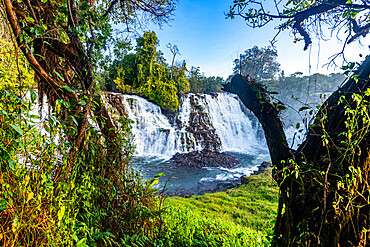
{"x": 110, "y": 8}
{"x": 255, "y": 99}
{"x": 27, "y": 51}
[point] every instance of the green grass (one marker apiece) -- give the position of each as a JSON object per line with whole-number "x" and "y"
{"x": 238, "y": 217}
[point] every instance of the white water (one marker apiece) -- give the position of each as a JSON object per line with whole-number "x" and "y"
{"x": 155, "y": 136}
{"x": 232, "y": 125}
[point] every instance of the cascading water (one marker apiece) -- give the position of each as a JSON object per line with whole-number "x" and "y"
{"x": 215, "y": 122}
{"x": 232, "y": 125}
{"x": 154, "y": 135}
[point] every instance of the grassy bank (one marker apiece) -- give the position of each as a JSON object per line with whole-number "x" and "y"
{"x": 238, "y": 217}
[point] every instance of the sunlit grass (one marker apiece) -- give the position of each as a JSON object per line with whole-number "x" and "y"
{"x": 238, "y": 217}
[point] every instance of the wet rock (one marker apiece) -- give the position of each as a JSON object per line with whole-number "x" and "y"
{"x": 115, "y": 100}
{"x": 261, "y": 168}
{"x": 205, "y": 158}
{"x": 244, "y": 179}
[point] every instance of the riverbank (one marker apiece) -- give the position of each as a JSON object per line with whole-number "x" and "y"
{"x": 217, "y": 186}
{"x": 238, "y": 217}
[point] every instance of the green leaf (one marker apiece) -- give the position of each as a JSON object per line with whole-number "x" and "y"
{"x": 57, "y": 106}
{"x": 74, "y": 237}
{"x": 30, "y": 19}
{"x": 3, "y": 204}
{"x": 297, "y": 125}
{"x": 61, "y": 213}
{"x": 33, "y": 95}
{"x": 68, "y": 89}
{"x": 17, "y": 128}
{"x": 303, "y": 108}
{"x": 82, "y": 102}
{"x": 281, "y": 107}
{"x": 81, "y": 243}
{"x": 30, "y": 196}
{"x": 74, "y": 120}
{"x": 15, "y": 224}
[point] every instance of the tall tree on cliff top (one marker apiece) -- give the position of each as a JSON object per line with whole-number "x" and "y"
{"x": 324, "y": 184}
{"x": 258, "y": 63}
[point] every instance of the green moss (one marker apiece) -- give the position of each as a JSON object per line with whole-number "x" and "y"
{"x": 239, "y": 217}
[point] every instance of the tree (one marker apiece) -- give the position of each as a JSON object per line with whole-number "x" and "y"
{"x": 196, "y": 79}
{"x": 174, "y": 50}
{"x": 213, "y": 84}
{"x": 146, "y": 50}
{"x": 179, "y": 77}
{"x": 259, "y": 64}
{"x": 202, "y": 84}
{"x": 324, "y": 184}
{"x": 128, "y": 72}
{"x": 14, "y": 70}
{"x": 63, "y": 42}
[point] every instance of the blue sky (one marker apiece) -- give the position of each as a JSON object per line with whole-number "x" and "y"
{"x": 208, "y": 40}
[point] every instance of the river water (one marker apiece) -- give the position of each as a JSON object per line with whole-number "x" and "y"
{"x": 157, "y": 140}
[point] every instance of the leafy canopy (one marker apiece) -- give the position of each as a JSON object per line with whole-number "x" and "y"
{"x": 258, "y": 63}
{"x": 308, "y": 17}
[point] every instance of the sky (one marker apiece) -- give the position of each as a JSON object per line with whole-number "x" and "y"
{"x": 207, "y": 40}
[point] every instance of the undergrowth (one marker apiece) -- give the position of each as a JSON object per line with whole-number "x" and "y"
{"x": 53, "y": 195}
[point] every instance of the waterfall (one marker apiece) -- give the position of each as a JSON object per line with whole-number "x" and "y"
{"x": 221, "y": 113}
{"x": 232, "y": 125}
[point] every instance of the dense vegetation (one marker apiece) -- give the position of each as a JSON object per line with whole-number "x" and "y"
{"x": 324, "y": 198}
{"x": 66, "y": 180}
{"x": 146, "y": 72}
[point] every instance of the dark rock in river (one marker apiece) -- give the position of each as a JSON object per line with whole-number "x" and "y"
{"x": 261, "y": 168}
{"x": 244, "y": 179}
{"x": 205, "y": 158}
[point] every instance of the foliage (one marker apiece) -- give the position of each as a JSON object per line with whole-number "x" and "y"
{"x": 324, "y": 197}
{"x": 238, "y": 217}
{"x": 159, "y": 90}
{"x": 178, "y": 71}
{"x": 124, "y": 70}
{"x": 202, "y": 84}
{"x": 258, "y": 63}
{"x": 147, "y": 73}
{"x": 344, "y": 185}
{"x": 308, "y": 17}
{"x": 49, "y": 197}
{"x": 14, "y": 70}
{"x": 70, "y": 183}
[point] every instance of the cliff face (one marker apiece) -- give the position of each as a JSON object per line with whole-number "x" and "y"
{"x": 188, "y": 135}
{"x": 201, "y": 126}
{"x": 198, "y": 130}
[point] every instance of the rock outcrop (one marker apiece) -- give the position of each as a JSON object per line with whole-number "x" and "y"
{"x": 201, "y": 127}
{"x": 205, "y": 158}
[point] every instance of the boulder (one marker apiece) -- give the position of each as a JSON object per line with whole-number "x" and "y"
{"x": 205, "y": 158}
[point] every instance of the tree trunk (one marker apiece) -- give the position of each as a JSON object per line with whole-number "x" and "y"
{"x": 324, "y": 184}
